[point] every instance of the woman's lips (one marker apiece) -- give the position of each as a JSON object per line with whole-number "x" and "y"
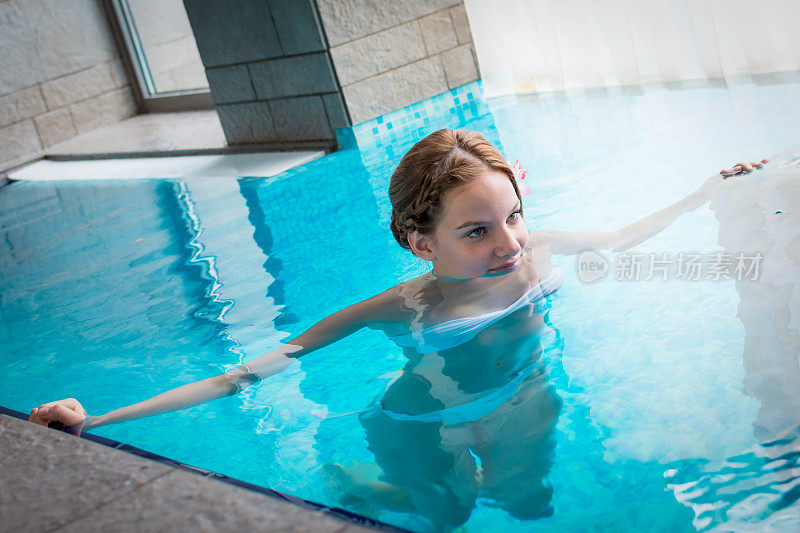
{"x": 506, "y": 266}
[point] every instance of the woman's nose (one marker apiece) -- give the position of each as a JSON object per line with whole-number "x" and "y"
{"x": 507, "y": 245}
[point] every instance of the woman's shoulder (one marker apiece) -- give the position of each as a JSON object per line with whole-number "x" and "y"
{"x": 386, "y": 310}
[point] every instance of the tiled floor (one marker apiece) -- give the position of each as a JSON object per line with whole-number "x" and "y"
{"x": 196, "y": 166}
{"x": 127, "y": 149}
{"x": 160, "y": 132}
{"x": 52, "y": 481}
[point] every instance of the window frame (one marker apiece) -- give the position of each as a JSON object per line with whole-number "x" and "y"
{"x": 132, "y": 54}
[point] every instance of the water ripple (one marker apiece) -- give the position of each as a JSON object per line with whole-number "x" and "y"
{"x": 754, "y": 491}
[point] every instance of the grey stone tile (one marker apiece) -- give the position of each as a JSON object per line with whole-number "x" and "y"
{"x": 298, "y": 29}
{"x": 230, "y": 84}
{"x": 50, "y": 478}
{"x": 437, "y": 31}
{"x": 226, "y": 35}
{"x": 186, "y": 130}
{"x": 18, "y": 140}
{"x": 337, "y": 113}
{"x": 15, "y": 35}
{"x": 50, "y": 40}
{"x": 78, "y": 86}
{"x": 118, "y": 74}
{"x": 354, "y": 528}
{"x": 21, "y": 105}
{"x": 181, "y": 501}
{"x": 345, "y": 20}
{"x": 394, "y": 89}
{"x": 379, "y": 52}
{"x": 300, "y": 119}
{"x": 55, "y": 126}
{"x": 293, "y": 76}
{"x": 247, "y": 123}
{"x": 459, "y": 66}
{"x": 107, "y": 108}
{"x": 29, "y": 157}
{"x": 461, "y": 24}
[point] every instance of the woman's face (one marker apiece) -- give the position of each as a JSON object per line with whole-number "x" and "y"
{"x": 481, "y": 231}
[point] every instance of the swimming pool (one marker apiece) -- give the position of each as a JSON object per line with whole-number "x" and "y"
{"x": 680, "y": 398}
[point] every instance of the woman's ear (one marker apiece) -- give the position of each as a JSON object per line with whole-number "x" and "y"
{"x": 421, "y": 245}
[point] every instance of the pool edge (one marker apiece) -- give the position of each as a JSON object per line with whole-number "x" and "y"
{"x": 310, "y": 506}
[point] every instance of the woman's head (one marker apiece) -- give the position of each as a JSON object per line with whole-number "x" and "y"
{"x": 447, "y": 179}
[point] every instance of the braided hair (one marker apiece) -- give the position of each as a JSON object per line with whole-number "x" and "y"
{"x": 438, "y": 163}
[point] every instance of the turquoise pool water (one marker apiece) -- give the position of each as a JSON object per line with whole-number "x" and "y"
{"x": 681, "y": 399}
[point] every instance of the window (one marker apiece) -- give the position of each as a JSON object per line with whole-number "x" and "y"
{"x": 161, "y": 54}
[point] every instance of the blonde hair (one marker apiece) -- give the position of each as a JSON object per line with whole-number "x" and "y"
{"x": 435, "y": 165}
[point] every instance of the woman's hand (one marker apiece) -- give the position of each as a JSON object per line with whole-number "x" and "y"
{"x": 68, "y": 412}
{"x": 707, "y": 190}
{"x": 738, "y": 168}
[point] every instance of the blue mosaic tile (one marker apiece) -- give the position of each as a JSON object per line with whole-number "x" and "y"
{"x": 413, "y": 122}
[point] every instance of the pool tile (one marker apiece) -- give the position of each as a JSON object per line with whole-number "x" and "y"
{"x": 56, "y": 477}
{"x": 194, "y": 503}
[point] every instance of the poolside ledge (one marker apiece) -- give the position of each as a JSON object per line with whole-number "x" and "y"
{"x": 56, "y": 482}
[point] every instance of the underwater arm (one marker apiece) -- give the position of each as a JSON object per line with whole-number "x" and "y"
{"x": 570, "y": 243}
{"x": 71, "y": 413}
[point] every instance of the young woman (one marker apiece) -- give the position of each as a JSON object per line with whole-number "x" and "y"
{"x": 473, "y": 411}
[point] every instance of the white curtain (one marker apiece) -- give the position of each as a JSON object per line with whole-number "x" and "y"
{"x": 532, "y": 46}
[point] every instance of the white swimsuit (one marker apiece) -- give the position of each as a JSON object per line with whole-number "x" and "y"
{"x": 460, "y": 330}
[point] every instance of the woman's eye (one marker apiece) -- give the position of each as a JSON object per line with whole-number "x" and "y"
{"x": 477, "y": 232}
{"x": 514, "y": 215}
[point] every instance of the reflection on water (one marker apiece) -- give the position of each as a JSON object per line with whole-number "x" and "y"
{"x": 759, "y": 490}
{"x": 760, "y": 215}
{"x": 754, "y": 491}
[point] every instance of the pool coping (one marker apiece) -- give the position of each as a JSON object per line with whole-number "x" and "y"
{"x": 311, "y": 506}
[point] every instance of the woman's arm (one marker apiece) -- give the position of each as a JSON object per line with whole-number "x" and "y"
{"x": 570, "y": 243}
{"x": 70, "y": 413}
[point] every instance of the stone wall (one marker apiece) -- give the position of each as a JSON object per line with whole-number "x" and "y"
{"x": 391, "y": 54}
{"x": 60, "y": 75}
{"x": 280, "y": 71}
{"x": 268, "y": 69}
{"x": 296, "y": 70}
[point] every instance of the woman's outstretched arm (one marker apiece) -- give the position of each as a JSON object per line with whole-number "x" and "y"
{"x": 71, "y": 413}
{"x": 570, "y": 243}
